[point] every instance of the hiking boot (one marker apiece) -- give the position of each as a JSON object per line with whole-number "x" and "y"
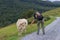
{"x": 43, "y": 33}
{"x": 37, "y": 33}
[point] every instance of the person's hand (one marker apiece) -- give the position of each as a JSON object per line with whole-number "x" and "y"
{"x": 32, "y": 21}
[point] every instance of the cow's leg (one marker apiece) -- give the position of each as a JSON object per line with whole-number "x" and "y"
{"x": 24, "y": 28}
{"x": 19, "y": 34}
{"x": 20, "y": 31}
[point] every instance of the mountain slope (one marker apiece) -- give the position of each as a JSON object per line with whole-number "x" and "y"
{"x": 11, "y": 10}
{"x": 10, "y": 31}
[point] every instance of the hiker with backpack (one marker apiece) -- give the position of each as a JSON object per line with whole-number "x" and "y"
{"x": 40, "y": 19}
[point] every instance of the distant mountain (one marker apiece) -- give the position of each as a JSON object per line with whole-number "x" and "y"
{"x": 57, "y": 2}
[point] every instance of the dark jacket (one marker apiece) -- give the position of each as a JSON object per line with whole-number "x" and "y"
{"x": 38, "y": 17}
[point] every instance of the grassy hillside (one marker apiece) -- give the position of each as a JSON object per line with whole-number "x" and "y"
{"x": 11, "y": 10}
{"x": 55, "y": 12}
{"x": 10, "y": 32}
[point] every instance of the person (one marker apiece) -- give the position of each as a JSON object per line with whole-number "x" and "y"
{"x": 40, "y": 19}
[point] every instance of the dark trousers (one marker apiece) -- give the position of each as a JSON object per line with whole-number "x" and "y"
{"x": 42, "y": 26}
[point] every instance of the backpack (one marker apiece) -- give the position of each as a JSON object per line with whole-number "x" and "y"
{"x": 34, "y": 16}
{"x": 40, "y": 17}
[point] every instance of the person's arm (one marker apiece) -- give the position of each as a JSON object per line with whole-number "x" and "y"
{"x": 35, "y": 16}
{"x": 32, "y": 21}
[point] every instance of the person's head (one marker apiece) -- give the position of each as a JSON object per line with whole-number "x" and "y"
{"x": 37, "y": 13}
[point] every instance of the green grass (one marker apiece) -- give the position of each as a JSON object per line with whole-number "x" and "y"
{"x": 54, "y": 12}
{"x": 10, "y": 32}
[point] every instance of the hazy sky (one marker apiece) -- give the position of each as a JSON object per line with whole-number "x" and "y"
{"x": 51, "y": 0}
{"x": 54, "y": 0}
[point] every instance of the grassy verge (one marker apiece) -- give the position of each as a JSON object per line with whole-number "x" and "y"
{"x": 10, "y": 32}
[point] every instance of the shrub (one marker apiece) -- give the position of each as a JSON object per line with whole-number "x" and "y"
{"x": 30, "y": 20}
{"x": 47, "y": 17}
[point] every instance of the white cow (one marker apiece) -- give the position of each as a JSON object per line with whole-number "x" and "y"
{"x": 21, "y": 25}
